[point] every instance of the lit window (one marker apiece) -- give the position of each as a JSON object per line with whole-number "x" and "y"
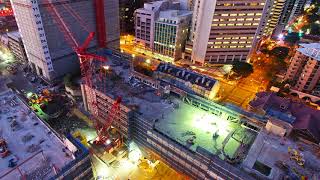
{"x": 242, "y": 14}
{"x": 227, "y": 38}
{"x": 219, "y": 38}
{"x": 225, "y": 42}
{"x": 249, "y": 19}
{"x": 248, "y": 46}
{"x": 243, "y": 37}
{"x": 217, "y": 43}
{"x": 233, "y": 14}
{"x": 231, "y": 24}
{"x": 239, "y": 24}
{"x": 258, "y": 14}
{"x": 214, "y": 24}
{"x": 234, "y": 42}
{"x": 232, "y": 19}
{"x": 241, "y": 19}
{"x": 255, "y": 24}
{"x": 233, "y": 46}
{"x": 222, "y": 24}
{"x": 224, "y": 14}
{"x": 251, "y": 14}
{"x": 242, "y": 42}
{"x": 215, "y": 19}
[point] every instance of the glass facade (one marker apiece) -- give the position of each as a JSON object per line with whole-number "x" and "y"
{"x": 165, "y": 38}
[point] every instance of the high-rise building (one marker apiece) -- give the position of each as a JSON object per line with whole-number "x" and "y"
{"x": 304, "y": 70}
{"x": 48, "y": 52}
{"x": 274, "y": 15}
{"x": 225, "y": 31}
{"x": 145, "y": 21}
{"x": 171, "y": 31}
{"x": 297, "y": 9}
{"x": 16, "y": 46}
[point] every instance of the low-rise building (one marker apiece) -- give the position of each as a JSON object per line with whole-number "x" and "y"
{"x": 34, "y": 150}
{"x": 186, "y": 80}
{"x": 305, "y": 121}
{"x": 304, "y": 71}
{"x": 16, "y": 46}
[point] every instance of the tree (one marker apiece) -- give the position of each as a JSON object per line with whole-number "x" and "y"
{"x": 242, "y": 69}
{"x": 281, "y": 52}
{"x": 292, "y": 38}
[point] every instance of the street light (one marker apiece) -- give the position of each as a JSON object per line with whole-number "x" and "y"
{"x": 148, "y": 61}
{"x": 133, "y": 55}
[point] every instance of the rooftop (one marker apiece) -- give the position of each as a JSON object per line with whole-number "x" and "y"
{"x": 174, "y": 15}
{"x": 32, "y": 144}
{"x": 296, "y": 113}
{"x": 215, "y": 134}
{"x": 142, "y": 97}
{"x": 187, "y": 75}
{"x": 310, "y": 50}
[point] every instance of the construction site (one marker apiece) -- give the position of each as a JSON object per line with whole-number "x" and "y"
{"x": 29, "y": 148}
{"x": 145, "y": 111}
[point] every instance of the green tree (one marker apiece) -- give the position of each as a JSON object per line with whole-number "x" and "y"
{"x": 292, "y": 38}
{"x": 242, "y": 69}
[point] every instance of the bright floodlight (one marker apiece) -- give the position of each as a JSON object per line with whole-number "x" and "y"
{"x": 29, "y": 94}
{"x": 106, "y": 67}
{"x": 133, "y": 55}
{"x": 148, "y": 61}
{"x": 108, "y": 141}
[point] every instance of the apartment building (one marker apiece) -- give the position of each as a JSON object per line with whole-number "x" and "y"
{"x": 225, "y": 32}
{"x": 145, "y": 19}
{"x": 49, "y": 55}
{"x": 297, "y": 9}
{"x": 16, "y": 46}
{"x": 171, "y": 32}
{"x": 274, "y": 16}
{"x": 304, "y": 71}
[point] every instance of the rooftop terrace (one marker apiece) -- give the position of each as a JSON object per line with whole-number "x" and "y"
{"x": 32, "y": 145}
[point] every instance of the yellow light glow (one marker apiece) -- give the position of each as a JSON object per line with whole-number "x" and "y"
{"x": 106, "y": 67}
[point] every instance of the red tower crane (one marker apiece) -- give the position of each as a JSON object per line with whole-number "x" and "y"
{"x": 87, "y": 64}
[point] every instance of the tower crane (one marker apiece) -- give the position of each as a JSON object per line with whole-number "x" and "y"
{"x": 88, "y": 61}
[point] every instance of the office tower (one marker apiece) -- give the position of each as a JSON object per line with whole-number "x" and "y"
{"x": 171, "y": 31}
{"x": 145, "y": 21}
{"x": 48, "y": 52}
{"x": 225, "y": 32}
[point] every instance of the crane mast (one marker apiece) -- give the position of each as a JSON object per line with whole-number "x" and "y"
{"x": 89, "y": 61}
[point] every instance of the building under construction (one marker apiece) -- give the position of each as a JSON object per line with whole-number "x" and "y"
{"x": 190, "y": 133}
{"x": 49, "y": 52}
{"x": 30, "y": 149}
